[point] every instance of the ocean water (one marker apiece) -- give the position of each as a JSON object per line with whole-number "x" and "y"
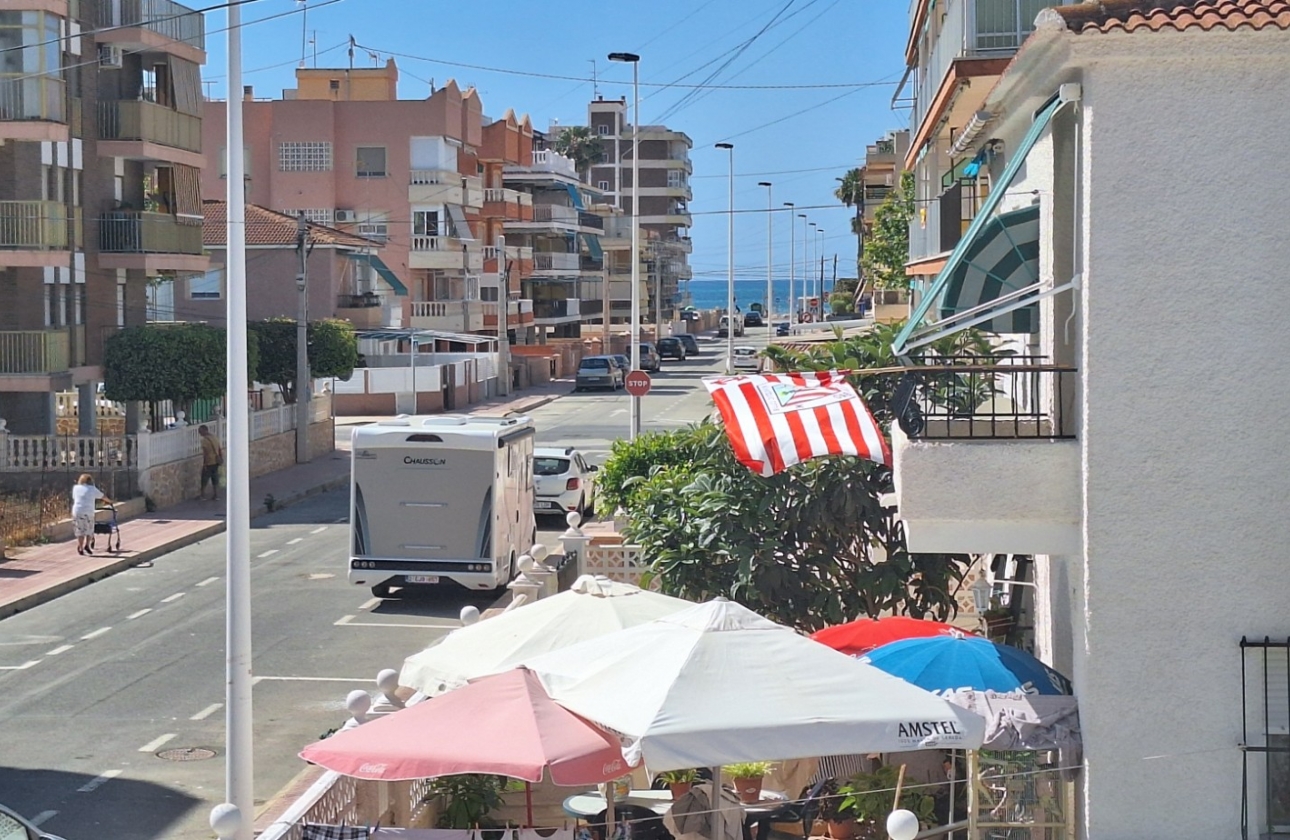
{"x": 711, "y": 294}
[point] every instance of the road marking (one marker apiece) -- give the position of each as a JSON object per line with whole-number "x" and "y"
{"x": 60, "y": 649}
{"x": 24, "y": 666}
{"x": 296, "y": 540}
{"x": 207, "y": 712}
{"x": 345, "y": 619}
{"x": 268, "y": 553}
{"x": 617, "y": 411}
{"x": 368, "y": 604}
{"x": 98, "y": 781}
{"x": 172, "y": 598}
{"x": 95, "y": 634}
{"x": 138, "y": 614}
{"x": 157, "y": 743}
{"x": 342, "y": 520}
{"x": 314, "y": 679}
{"x": 319, "y": 530}
{"x": 42, "y": 817}
{"x": 208, "y": 581}
{"x": 348, "y": 621}
{"x": 256, "y": 681}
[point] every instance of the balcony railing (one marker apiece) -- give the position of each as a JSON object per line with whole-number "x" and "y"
{"x": 555, "y": 213}
{"x": 436, "y": 242}
{"x": 568, "y": 308}
{"x": 550, "y": 161}
{"x": 166, "y": 18}
{"x": 143, "y": 232}
{"x": 136, "y": 120}
{"x": 33, "y": 225}
{"x": 35, "y": 351}
{"x": 364, "y": 301}
{"x": 555, "y": 262}
{"x": 591, "y": 220}
{"x": 986, "y": 398}
{"x": 32, "y": 98}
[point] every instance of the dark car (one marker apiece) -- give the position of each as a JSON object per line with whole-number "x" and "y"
{"x": 599, "y": 372}
{"x": 671, "y": 348}
{"x": 781, "y": 328}
{"x": 623, "y": 362}
{"x": 753, "y": 319}
{"x": 690, "y": 342}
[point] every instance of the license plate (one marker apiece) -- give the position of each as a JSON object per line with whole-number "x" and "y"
{"x": 549, "y": 505}
{"x": 421, "y": 578}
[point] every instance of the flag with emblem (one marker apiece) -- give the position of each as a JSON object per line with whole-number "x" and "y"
{"x": 774, "y": 421}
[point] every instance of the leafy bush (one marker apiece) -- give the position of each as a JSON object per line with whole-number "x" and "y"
{"x": 469, "y": 799}
{"x": 179, "y": 362}
{"x": 630, "y": 462}
{"x": 332, "y": 347}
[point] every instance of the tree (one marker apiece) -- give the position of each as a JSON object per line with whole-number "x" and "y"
{"x": 888, "y": 248}
{"x": 809, "y": 547}
{"x": 851, "y": 193}
{"x": 582, "y": 146}
{"x": 332, "y": 349}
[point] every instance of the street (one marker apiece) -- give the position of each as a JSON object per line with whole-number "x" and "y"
{"x": 111, "y": 697}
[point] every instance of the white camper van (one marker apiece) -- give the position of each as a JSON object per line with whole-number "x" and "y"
{"x": 440, "y": 498}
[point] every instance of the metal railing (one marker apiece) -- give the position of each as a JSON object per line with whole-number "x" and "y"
{"x": 363, "y": 301}
{"x": 166, "y": 18}
{"x": 590, "y": 220}
{"x": 32, "y": 98}
{"x": 986, "y": 398}
{"x": 568, "y": 308}
{"x": 35, "y": 351}
{"x": 33, "y": 224}
{"x": 555, "y": 262}
{"x": 555, "y": 213}
{"x": 138, "y": 120}
{"x": 144, "y": 232}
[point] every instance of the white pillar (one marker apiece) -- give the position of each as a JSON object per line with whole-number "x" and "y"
{"x": 575, "y": 543}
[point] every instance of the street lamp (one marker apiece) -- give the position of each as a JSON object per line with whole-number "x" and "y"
{"x": 819, "y": 255}
{"x": 634, "y": 60}
{"x": 792, "y": 262}
{"x": 730, "y": 272}
{"x": 814, "y": 285}
{"x": 770, "y": 251}
{"x": 805, "y": 260}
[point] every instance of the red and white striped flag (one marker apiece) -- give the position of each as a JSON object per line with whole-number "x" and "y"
{"x": 774, "y": 421}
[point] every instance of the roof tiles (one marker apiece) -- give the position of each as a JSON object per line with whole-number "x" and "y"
{"x": 268, "y": 227}
{"x": 1180, "y": 15}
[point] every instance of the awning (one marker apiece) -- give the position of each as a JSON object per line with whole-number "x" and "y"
{"x": 382, "y": 270}
{"x": 985, "y": 236}
{"x": 593, "y": 245}
{"x": 1003, "y": 258}
{"x": 460, "y": 225}
{"x": 575, "y": 195}
{"x": 423, "y": 336}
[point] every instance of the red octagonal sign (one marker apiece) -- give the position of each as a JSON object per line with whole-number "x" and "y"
{"x": 638, "y": 383}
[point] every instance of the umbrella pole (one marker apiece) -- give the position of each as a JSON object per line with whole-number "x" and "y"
{"x": 715, "y": 803}
{"x": 973, "y": 767}
{"x": 611, "y": 818}
{"x": 528, "y": 803}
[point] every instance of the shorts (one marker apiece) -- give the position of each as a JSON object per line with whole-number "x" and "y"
{"x": 83, "y": 524}
{"x": 210, "y": 473}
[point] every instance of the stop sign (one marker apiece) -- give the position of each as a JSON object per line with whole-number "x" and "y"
{"x": 638, "y": 383}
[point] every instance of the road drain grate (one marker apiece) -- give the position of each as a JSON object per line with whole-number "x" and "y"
{"x": 186, "y": 754}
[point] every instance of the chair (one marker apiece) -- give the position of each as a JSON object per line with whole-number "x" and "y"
{"x": 641, "y": 823}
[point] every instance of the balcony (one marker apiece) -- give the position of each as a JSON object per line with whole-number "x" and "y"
{"x": 555, "y": 214}
{"x": 443, "y": 253}
{"x": 557, "y": 311}
{"x": 556, "y": 262}
{"x": 511, "y": 205}
{"x": 33, "y": 233}
{"x": 33, "y": 109}
{"x": 37, "y": 361}
{"x": 140, "y": 130}
{"x": 986, "y": 459}
{"x": 150, "y": 242}
{"x": 518, "y": 313}
{"x": 443, "y": 186}
{"x": 451, "y": 315}
{"x": 590, "y": 220}
{"x": 549, "y": 161}
{"x": 160, "y": 25}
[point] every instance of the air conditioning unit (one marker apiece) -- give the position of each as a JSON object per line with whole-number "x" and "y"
{"x": 110, "y": 55}
{"x": 345, "y": 216}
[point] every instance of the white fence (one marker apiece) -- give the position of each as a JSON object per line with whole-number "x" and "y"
{"x": 617, "y": 562}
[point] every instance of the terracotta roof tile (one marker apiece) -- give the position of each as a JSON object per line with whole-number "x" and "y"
{"x": 1178, "y": 15}
{"x": 269, "y": 227}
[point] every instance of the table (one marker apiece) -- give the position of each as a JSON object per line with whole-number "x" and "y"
{"x": 591, "y": 803}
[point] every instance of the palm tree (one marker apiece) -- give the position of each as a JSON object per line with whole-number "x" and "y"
{"x": 850, "y": 192}
{"x": 581, "y": 146}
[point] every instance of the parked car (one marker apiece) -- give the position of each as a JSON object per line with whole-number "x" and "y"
{"x": 650, "y": 360}
{"x": 690, "y": 342}
{"x": 723, "y": 328}
{"x": 671, "y": 348}
{"x": 563, "y": 481}
{"x": 599, "y": 372}
{"x": 753, "y": 319}
{"x": 781, "y": 328}
{"x": 624, "y": 363}
{"x": 746, "y": 359}
{"x": 14, "y": 827}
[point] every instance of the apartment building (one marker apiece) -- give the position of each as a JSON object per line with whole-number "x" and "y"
{"x": 100, "y": 155}
{"x": 345, "y": 151}
{"x": 507, "y": 142}
{"x": 617, "y": 243}
{"x": 884, "y": 161}
{"x": 665, "y": 194}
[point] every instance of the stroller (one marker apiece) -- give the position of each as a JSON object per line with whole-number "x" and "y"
{"x": 105, "y": 522}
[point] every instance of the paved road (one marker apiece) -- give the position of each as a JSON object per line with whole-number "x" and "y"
{"x": 111, "y": 715}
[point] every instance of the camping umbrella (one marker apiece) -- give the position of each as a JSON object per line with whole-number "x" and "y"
{"x": 957, "y": 660}
{"x": 504, "y": 725}
{"x": 591, "y": 607}
{"x": 865, "y": 634}
{"x": 717, "y": 684}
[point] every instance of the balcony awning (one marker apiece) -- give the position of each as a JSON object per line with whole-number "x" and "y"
{"x": 459, "y": 223}
{"x": 593, "y": 245}
{"x": 382, "y": 270}
{"x": 978, "y": 283}
{"x": 424, "y": 336}
{"x": 575, "y": 195}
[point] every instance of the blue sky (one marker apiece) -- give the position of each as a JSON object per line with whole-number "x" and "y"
{"x": 813, "y": 42}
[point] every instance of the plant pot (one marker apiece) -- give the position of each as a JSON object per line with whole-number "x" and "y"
{"x": 680, "y": 789}
{"x": 748, "y": 790}
{"x": 842, "y": 829}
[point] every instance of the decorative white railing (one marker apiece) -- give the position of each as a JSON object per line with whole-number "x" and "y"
{"x": 35, "y": 453}
{"x": 617, "y": 562}
{"x": 553, "y": 162}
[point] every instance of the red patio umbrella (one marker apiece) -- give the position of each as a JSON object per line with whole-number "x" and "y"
{"x": 864, "y": 634}
{"x": 503, "y": 724}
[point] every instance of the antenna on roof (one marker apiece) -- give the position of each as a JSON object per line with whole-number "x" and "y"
{"x": 376, "y": 59}
{"x": 595, "y": 86}
{"x": 304, "y": 28}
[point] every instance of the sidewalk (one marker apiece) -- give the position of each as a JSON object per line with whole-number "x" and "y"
{"x": 34, "y": 575}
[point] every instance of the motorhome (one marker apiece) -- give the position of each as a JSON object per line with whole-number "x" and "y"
{"x": 723, "y": 326}
{"x": 440, "y": 499}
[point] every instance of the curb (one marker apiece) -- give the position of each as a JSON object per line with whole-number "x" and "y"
{"x": 148, "y": 555}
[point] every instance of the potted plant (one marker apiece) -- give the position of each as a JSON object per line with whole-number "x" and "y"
{"x": 998, "y": 619}
{"x": 467, "y": 799}
{"x": 747, "y": 777}
{"x": 867, "y": 799}
{"x": 679, "y": 781}
{"x": 839, "y": 820}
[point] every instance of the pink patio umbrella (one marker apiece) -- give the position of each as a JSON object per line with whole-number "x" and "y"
{"x": 503, "y": 724}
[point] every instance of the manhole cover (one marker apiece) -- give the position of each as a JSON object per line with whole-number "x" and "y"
{"x": 186, "y": 754}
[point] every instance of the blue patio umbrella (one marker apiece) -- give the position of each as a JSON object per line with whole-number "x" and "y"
{"x": 959, "y": 661}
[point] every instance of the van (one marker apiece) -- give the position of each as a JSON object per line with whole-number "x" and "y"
{"x": 723, "y": 326}
{"x": 440, "y": 499}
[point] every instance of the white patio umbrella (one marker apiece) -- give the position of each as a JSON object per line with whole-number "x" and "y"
{"x": 592, "y": 607}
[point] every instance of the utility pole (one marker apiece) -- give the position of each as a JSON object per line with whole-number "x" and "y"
{"x": 503, "y": 316}
{"x": 304, "y": 385}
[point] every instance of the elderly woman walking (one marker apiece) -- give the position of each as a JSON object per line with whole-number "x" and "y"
{"x": 84, "y": 494}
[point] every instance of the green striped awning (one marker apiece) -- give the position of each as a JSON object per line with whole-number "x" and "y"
{"x": 382, "y": 270}
{"x": 1003, "y": 258}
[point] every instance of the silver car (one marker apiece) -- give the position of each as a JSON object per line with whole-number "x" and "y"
{"x": 650, "y": 359}
{"x": 599, "y": 372}
{"x": 14, "y": 827}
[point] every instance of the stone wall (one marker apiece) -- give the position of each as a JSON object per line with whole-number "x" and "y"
{"x": 322, "y": 437}
{"x": 273, "y": 453}
{"x": 170, "y": 484}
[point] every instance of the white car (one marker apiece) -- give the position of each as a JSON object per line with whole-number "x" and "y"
{"x": 746, "y": 359}
{"x": 563, "y": 481}
{"x": 15, "y": 827}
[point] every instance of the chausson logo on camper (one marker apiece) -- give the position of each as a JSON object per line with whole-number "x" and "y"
{"x": 425, "y": 462}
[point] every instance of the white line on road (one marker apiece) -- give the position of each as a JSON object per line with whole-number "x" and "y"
{"x": 296, "y": 540}
{"x": 138, "y": 614}
{"x": 208, "y": 581}
{"x": 98, "y": 781}
{"x": 24, "y": 666}
{"x": 42, "y": 817}
{"x": 172, "y": 598}
{"x": 315, "y": 679}
{"x": 368, "y": 604}
{"x": 207, "y": 712}
{"x": 268, "y": 553}
{"x": 95, "y": 634}
{"x": 345, "y": 619}
{"x": 319, "y": 530}
{"x": 59, "y": 649}
{"x": 348, "y": 621}
{"x": 156, "y": 743}
{"x": 256, "y": 681}
{"x": 342, "y": 520}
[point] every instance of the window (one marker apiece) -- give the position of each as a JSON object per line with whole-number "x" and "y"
{"x": 374, "y": 226}
{"x": 30, "y": 87}
{"x": 161, "y": 299}
{"x": 602, "y": 130}
{"x": 209, "y": 286}
{"x": 603, "y": 185}
{"x": 1004, "y": 24}
{"x": 1266, "y": 702}
{"x": 333, "y": 84}
{"x": 317, "y": 216}
{"x": 675, "y": 179}
{"x": 425, "y": 223}
{"x": 371, "y": 161}
{"x": 304, "y": 157}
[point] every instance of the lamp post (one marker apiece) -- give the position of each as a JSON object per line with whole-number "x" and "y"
{"x": 634, "y": 60}
{"x": 730, "y": 271}
{"x": 819, "y": 258}
{"x": 770, "y": 253}
{"x": 792, "y": 262}
{"x": 805, "y": 276}
{"x": 813, "y": 285}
